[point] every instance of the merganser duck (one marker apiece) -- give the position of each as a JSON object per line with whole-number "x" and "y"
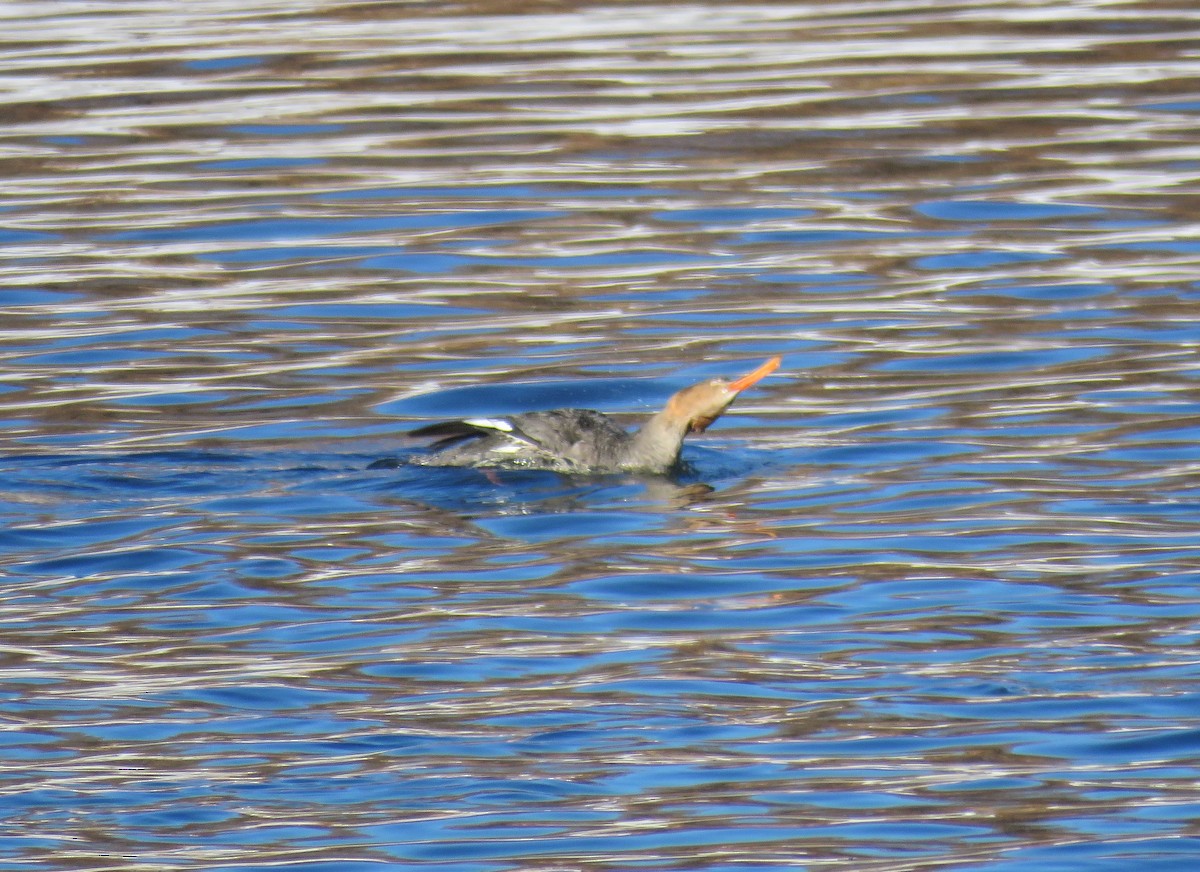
{"x": 583, "y": 440}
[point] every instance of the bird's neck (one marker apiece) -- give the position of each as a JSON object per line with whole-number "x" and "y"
{"x": 657, "y": 444}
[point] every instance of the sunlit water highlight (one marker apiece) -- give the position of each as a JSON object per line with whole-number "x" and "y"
{"x": 924, "y": 599}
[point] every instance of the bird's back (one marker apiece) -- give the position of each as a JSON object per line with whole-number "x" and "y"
{"x": 565, "y": 440}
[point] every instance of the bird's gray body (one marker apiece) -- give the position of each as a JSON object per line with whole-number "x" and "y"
{"x": 562, "y": 440}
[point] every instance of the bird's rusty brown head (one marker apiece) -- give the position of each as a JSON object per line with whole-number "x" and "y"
{"x": 702, "y": 404}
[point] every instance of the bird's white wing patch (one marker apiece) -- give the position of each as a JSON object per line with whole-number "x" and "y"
{"x": 518, "y": 441}
{"x": 513, "y": 446}
{"x": 490, "y": 424}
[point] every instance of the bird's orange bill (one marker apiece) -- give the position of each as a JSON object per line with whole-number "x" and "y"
{"x": 762, "y": 372}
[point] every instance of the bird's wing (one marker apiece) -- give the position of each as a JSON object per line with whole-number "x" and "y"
{"x": 452, "y": 432}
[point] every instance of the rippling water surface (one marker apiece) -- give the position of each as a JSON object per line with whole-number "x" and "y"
{"x": 925, "y": 599}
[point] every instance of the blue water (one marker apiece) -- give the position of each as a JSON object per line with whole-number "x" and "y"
{"x": 924, "y": 599}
